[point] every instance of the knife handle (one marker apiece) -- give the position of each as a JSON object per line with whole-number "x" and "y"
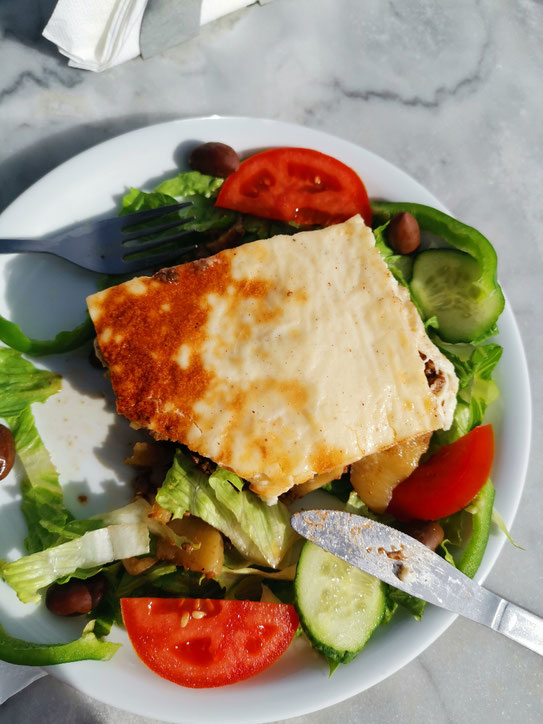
{"x": 518, "y": 624}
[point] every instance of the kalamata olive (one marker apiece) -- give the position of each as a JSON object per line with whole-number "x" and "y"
{"x": 403, "y": 233}
{"x": 428, "y": 532}
{"x": 214, "y": 159}
{"x": 97, "y": 586}
{"x": 7, "y": 451}
{"x": 75, "y": 597}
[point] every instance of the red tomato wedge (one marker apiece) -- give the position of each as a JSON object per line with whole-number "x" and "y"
{"x": 296, "y": 184}
{"x": 203, "y": 643}
{"x": 447, "y": 481}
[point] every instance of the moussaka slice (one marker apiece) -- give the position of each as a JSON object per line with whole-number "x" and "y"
{"x": 281, "y": 359}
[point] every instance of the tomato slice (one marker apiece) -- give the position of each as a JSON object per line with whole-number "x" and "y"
{"x": 296, "y": 184}
{"x": 447, "y": 481}
{"x": 222, "y": 643}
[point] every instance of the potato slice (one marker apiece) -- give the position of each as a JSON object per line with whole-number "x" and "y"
{"x": 298, "y": 491}
{"x": 375, "y": 476}
{"x": 207, "y": 559}
{"x": 136, "y": 566}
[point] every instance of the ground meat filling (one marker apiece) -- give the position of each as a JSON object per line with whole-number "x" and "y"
{"x": 435, "y": 378}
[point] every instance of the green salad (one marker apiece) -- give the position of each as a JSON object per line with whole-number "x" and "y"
{"x": 196, "y": 530}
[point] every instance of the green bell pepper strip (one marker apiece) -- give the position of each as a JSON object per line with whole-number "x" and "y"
{"x": 26, "y": 653}
{"x": 481, "y": 512}
{"x": 12, "y": 335}
{"x": 461, "y": 236}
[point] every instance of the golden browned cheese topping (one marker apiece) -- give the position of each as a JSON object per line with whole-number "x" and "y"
{"x": 280, "y": 360}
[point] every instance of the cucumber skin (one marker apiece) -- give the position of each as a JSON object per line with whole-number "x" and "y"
{"x": 332, "y": 655}
{"x": 460, "y": 236}
{"x": 456, "y": 332}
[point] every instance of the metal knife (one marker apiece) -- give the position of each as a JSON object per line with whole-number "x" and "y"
{"x": 401, "y": 561}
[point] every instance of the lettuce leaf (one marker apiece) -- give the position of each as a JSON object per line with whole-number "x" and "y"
{"x": 261, "y": 532}
{"x": 88, "y": 646}
{"x": 189, "y": 183}
{"x": 22, "y": 383}
{"x": 42, "y": 504}
{"x": 202, "y": 215}
{"x": 30, "y": 574}
{"x": 340, "y": 489}
{"x": 477, "y": 390}
{"x": 415, "y": 606}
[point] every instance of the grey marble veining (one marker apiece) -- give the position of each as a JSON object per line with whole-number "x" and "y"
{"x": 450, "y": 92}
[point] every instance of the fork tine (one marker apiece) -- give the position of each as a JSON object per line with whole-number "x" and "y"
{"x": 153, "y": 261}
{"x": 153, "y": 230}
{"x": 139, "y": 217}
{"x": 154, "y": 243}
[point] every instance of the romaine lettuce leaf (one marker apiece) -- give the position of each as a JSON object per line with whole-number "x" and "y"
{"x": 42, "y": 504}
{"x": 30, "y": 574}
{"x": 22, "y": 385}
{"x": 261, "y": 532}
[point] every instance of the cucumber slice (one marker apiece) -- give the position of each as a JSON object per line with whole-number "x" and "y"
{"x": 339, "y": 605}
{"x": 447, "y": 283}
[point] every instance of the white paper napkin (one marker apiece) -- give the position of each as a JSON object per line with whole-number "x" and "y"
{"x": 100, "y": 34}
{"x": 14, "y": 678}
{"x": 96, "y": 35}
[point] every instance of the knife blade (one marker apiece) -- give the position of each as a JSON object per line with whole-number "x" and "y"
{"x": 405, "y": 563}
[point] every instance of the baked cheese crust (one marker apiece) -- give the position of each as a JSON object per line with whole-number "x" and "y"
{"x": 281, "y": 359}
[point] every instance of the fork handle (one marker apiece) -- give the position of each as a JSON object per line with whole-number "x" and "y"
{"x": 13, "y": 246}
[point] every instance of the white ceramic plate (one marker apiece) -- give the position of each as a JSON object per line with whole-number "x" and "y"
{"x": 88, "y": 441}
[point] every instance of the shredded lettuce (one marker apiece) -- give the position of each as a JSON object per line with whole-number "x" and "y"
{"x": 30, "y": 574}
{"x": 499, "y": 522}
{"x": 261, "y": 532}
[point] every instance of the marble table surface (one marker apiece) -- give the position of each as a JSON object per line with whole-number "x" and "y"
{"x": 450, "y": 92}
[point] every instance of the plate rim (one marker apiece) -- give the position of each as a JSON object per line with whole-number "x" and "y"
{"x": 64, "y": 672}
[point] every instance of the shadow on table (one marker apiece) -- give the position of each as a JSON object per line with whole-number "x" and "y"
{"x": 23, "y": 168}
{"x": 24, "y": 21}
